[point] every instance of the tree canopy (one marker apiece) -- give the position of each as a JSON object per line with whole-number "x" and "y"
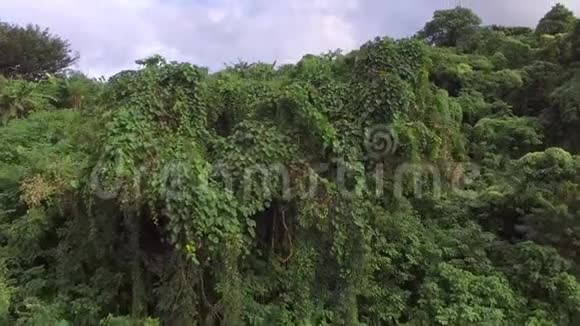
{"x": 31, "y": 52}
{"x": 558, "y": 20}
{"x": 409, "y": 182}
{"x": 449, "y": 26}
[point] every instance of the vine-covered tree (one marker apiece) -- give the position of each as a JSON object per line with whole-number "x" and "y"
{"x": 31, "y": 52}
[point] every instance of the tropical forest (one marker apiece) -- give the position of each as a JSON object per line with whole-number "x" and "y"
{"x": 430, "y": 180}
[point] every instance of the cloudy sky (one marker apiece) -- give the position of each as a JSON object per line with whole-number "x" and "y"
{"x": 111, "y": 34}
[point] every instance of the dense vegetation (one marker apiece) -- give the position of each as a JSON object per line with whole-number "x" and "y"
{"x": 426, "y": 181}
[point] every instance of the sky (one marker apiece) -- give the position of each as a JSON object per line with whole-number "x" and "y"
{"x": 110, "y": 35}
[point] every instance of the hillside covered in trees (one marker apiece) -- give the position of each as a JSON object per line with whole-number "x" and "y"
{"x": 433, "y": 180}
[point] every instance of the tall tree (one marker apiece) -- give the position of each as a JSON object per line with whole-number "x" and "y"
{"x": 558, "y": 20}
{"x": 31, "y": 52}
{"x": 448, "y": 26}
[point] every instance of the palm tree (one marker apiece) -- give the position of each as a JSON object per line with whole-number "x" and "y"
{"x": 18, "y": 98}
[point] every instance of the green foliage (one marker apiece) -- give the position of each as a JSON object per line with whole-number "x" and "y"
{"x": 125, "y": 321}
{"x": 567, "y": 100}
{"x": 508, "y": 136}
{"x": 558, "y": 20}
{"x": 564, "y": 112}
{"x": 449, "y": 26}
{"x": 452, "y": 296}
{"x": 513, "y": 30}
{"x": 515, "y": 51}
{"x": 31, "y": 52}
{"x": 257, "y": 195}
{"x": 540, "y": 80}
{"x": 19, "y": 98}
{"x": 74, "y": 90}
{"x": 576, "y": 41}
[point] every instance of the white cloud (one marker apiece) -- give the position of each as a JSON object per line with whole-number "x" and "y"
{"x": 111, "y": 34}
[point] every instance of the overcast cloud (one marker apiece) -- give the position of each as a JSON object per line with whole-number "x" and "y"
{"x": 111, "y": 34}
